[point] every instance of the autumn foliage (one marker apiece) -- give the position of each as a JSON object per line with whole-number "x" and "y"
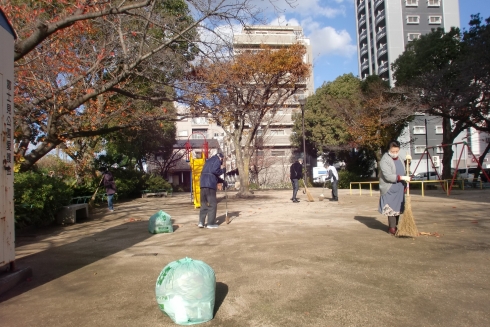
{"x": 245, "y": 93}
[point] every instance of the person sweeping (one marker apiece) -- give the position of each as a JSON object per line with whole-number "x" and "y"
{"x": 392, "y": 184}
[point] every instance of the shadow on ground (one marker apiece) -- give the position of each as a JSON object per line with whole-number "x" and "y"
{"x": 372, "y": 223}
{"x": 58, "y": 261}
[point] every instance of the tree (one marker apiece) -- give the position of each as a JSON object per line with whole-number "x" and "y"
{"x": 81, "y": 66}
{"x": 242, "y": 93}
{"x": 432, "y": 65}
{"x": 325, "y": 127}
{"x": 382, "y": 116}
{"x": 476, "y": 72}
{"x": 348, "y": 113}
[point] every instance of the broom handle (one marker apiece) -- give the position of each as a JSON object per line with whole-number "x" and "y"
{"x": 408, "y": 174}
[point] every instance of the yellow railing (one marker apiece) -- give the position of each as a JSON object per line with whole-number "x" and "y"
{"x": 457, "y": 182}
{"x": 446, "y": 186}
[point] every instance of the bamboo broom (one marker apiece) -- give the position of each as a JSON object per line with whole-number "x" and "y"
{"x": 308, "y": 194}
{"x": 407, "y": 227}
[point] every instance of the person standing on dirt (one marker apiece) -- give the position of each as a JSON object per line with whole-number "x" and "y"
{"x": 210, "y": 176}
{"x": 296, "y": 173}
{"x": 333, "y": 177}
{"x": 110, "y": 187}
{"x": 392, "y": 182}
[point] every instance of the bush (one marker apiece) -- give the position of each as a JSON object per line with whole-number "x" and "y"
{"x": 129, "y": 183}
{"x": 346, "y": 177}
{"x": 37, "y": 198}
{"x": 156, "y": 182}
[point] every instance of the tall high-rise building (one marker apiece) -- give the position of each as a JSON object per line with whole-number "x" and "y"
{"x": 384, "y": 27}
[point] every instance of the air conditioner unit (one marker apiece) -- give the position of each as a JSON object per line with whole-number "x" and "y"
{"x": 436, "y": 160}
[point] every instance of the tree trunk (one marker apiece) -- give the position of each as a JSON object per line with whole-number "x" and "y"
{"x": 447, "y": 156}
{"x": 480, "y": 161}
{"x": 243, "y": 163}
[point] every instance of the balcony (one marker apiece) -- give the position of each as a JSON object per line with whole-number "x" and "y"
{"x": 364, "y": 51}
{"x": 363, "y": 35}
{"x": 383, "y": 67}
{"x": 377, "y": 3}
{"x": 362, "y": 5}
{"x": 380, "y": 34}
{"x": 362, "y": 21}
{"x": 382, "y": 50}
{"x": 365, "y": 65}
{"x": 380, "y": 16}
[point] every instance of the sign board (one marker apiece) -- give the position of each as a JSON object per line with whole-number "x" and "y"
{"x": 7, "y": 223}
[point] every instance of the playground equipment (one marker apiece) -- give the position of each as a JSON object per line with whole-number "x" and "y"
{"x": 197, "y": 165}
{"x": 429, "y": 157}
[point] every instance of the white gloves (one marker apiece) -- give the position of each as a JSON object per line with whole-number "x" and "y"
{"x": 405, "y": 178}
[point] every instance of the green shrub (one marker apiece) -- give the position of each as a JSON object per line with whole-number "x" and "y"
{"x": 156, "y": 182}
{"x": 129, "y": 183}
{"x": 37, "y": 198}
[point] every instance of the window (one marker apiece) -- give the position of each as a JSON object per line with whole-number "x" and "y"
{"x": 438, "y": 129}
{"x": 201, "y": 133}
{"x": 278, "y": 153}
{"x": 419, "y": 129}
{"x": 440, "y": 149}
{"x": 183, "y": 133}
{"x": 200, "y": 121}
{"x": 260, "y": 153}
{"x": 413, "y": 36}
{"x": 434, "y": 3}
{"x": 435, "y": 19}
{"x": 419, "y": 148}
{"x": 259, "y": 132}
{"x": 276, "y": 132}
{"x": 412, "y": 3}
{"x": 413, "y": 19}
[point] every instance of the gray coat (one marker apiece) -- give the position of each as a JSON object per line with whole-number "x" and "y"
{"x": 387, "y": 176}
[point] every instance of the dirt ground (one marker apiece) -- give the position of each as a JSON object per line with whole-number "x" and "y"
{"x": 277, "y": 263}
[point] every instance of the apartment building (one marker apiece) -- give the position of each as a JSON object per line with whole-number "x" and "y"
{"x": 384, "y": 27}
{"x": 275, "y": 154}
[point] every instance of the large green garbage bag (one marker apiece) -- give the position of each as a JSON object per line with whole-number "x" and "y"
{"x": 160, "y": 223}
{"x": 185, "y": 291}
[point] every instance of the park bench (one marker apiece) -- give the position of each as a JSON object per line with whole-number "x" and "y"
{"x": 147, "y": 193}
{"x": 68, "y": 214}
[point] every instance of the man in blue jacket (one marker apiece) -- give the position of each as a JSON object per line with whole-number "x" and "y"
{"x": 213, "y": 168}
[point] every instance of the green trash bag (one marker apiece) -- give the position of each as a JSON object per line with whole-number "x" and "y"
{"x": 160, "y": 223}
{"x": 185, "y": 291}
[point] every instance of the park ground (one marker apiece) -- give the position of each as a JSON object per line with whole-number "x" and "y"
{"x": 277, "y": 263}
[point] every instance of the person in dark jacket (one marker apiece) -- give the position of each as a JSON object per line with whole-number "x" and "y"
{"x": 110, "y": 187}
{"x": 213, "y": 168}
{"x": 296, "y": 173}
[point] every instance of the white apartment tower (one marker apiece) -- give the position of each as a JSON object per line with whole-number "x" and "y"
{"x": 384, "y": 27}
{"x": 277, "y": 153}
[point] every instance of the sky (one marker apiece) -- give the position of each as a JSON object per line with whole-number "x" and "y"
{"x": 331, "y": 27}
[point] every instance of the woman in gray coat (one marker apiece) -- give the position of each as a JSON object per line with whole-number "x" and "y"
{"x": 392, "y": 186}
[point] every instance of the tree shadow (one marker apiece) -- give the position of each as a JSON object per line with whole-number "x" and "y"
{"x": 221, "y": 292}
{"x": 57, "y": 261}
{"x": 371, "y": 222}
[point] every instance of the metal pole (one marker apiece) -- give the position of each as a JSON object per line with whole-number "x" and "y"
{"x": 304, "y": 142}
{"x": 426, "y": 147}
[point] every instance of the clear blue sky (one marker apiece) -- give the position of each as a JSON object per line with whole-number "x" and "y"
{"x": 331, "y": 26}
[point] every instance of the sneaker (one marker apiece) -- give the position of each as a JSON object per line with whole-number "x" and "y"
{"x": 111, "y": 210}
{"x": 295, "y": 200}
{"x": 200, "y": 225}
{"x": 212, "y": 226}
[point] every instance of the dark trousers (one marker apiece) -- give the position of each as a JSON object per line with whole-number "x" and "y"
{"x": 335, "y": 190}
{"x": 295, "y": 183}
{"x": 209, "y": 205}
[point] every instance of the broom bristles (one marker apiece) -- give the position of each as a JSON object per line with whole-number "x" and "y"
{"x": 407, "y": 227}
{"x": 309, "y": 196}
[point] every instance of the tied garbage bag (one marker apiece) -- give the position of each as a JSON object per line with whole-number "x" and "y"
{"x": 185, "y": 291}
{"x": 160, "y": 223}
